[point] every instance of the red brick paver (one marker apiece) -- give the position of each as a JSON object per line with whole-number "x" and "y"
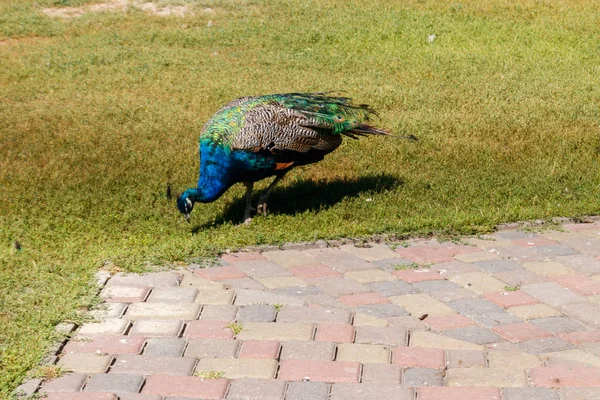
{"x": 418, "y": 357}
{"x": 185, "y": 386}
{"x": 520, "y": 332}
{"x": 220, "y": 274}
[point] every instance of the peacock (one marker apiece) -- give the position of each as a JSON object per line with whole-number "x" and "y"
{"x": 252, "y": 138}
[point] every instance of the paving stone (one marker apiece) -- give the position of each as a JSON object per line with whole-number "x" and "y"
{"x": 299, "y": 291}
{"x": 465, "y": 358}
{"x": 280, "y": 331}
{"x": 520, "y": 332}
{"x": 219, "y": 312}
{"x": 149, "y": 365}
{"x": 314, "y": 315}
{"x": 190, "y": 279}
{"x": 479, "y": 282}
{"x": 368, "y": 320}
{"x": 437, "y": 286}
{"x": 363, "y": 353}
{"x": 408, "y": 322}
{"x": 153, "y": 279}
{"x": 371, "y": 252}
{"x": 81, "y": 396}
{"x": 182, "y": 311}
{"x": 166, "y": 347}
{"x": 393, "y": 336}
{"x": 110, "y": 326}
{"x": 116, "y": 383}
{"x": 581, "y": 263}
{"x": 391, "y": 264}
{"x": 337, "y": 286}
{"x": 361, "y": 299}
{"x": 370, "y": 275}
{"x": 586, "y": 312}
{"x": 307, "y": 350}
{"x": 423, "y": 377}
{"x": 242, "y": 256}
{"x": 307, "y": 391}
{"x": 281, "y": 282}
{"x": 580, "y": 284}
{"x": 139, "y": 396}
{"x": 554, "y": 377}
{"x": 570, "y": 358}
{"x": 586, "y": 245}
{"x": 208, "y": 330}
{"x": 555, "y": 250}
{"x": 336, "y": 333}
{"x": 313, "y": 271}
{"x": 420, "y": 304}
{"x": 545, "y": 345}
{"x": 476, "y": 257}
{"x": 106, "y": 344}
{"x": 457, "y": 393}
{"x": 580, "y": 337}
{"x": 433, "y": 340}
{"x": 173, "y": 295}
{"x": 418, "y": 275}
{"x": 108, "y": 310}
{"x": 242, "y": 283}
{"x": 453, "y": 295}
{"x": 260, "y": 269}
{"x": 368, "y": 391}
{"x": 548, "y": 268}
{"x": 324, "y": 300}
{"x": 418, "y": 357}
{"x": 220, "y": 273}
{"x": 534, "y": 312}
{"x": 494, "y": 266}
{"x": 381, "y": 310}
{"x": 520, "y": 277}
{"x": 558, "y": 325}
{"x": 236, "y": 368}
{"x": 444, "y": 322}
{"x": 251, "y": 297}
{"x": 264, "y": 349}
{"x": 186, "y": 386}
{"x": 473, "y": 334}
{"x": 339, "y": 260}
{"x": 319, "y": 371}
{"x": 381, "y": 373}
{"x": 483, "y": 311}
{"x": 124, "y": 294}
{"x": 490, "y": 377}
{"x": 157, "y": 328}
{"x": 531, "y": 242}
{"x": 289, "y": 258}
{"x": 592, "y": 348}
{"x": 253, "y": 389}
{"x": 512, "y": 359}
{"x": 527, "y": 393}
{"x": 85, "y": 363}
{"x": 392, "y": 288}
{"x": 72, "y": 382}
{"x": 27, "y": 389}
{"x": 580, "y": 393}
{"x": 257, "y": 313}
{"x": 511, "y": 299}
{"x": 215, "y": 297}
{"x": 434, "y": 254}
{"x": 211, "y": 348}
{"x": 515, "y": 235}
{"x": 454, "y": 268}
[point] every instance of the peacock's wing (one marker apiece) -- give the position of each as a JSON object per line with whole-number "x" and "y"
{"x": 301, "y": 122}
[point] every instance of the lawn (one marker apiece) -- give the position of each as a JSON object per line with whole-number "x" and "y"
{"x": 101, "y": 111}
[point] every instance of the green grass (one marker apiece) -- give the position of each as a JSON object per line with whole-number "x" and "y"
{"x": 99, "y": 113}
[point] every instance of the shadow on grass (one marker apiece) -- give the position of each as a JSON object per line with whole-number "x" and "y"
{"x": 309, "y": 195}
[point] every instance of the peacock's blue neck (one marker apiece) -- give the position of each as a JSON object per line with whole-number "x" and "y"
{"x": 214, "y": 177}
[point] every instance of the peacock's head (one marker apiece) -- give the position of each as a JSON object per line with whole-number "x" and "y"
{"x": 185, "y": 205}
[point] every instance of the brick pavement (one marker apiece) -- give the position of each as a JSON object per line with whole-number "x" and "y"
{"x": 513, "y": 315}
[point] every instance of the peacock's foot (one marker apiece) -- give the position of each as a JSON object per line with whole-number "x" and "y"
{"x": 247, "y": 221}
{"x": 262, "y": 208}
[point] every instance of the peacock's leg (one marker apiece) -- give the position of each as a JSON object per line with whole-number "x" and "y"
{"x": 248, "y": 197}
{"x": 262, "y": 200}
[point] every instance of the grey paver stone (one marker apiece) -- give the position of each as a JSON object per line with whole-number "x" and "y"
{"x": 212, "y": 348}
{"x": 437, "y": 286}
{"x": 85, "y": 363}
{"x": 558, "y": 324}
{"x": 243, "y": 283}
{"x": 392, "y": 288}
{"x": 581, "y": 263}
{"x": 586, "y": 312}
{"x": 514, "y": 235}
{"x": 381, "y": 373}
{"x": 390, "y": 264}
{"x": 555, "y": 250}
{"x": 495, "y": 266}
{"x": 166, "y": 347}
{"x": 257, "y": 313}
{"x": 219, "y": 312}
{"x": 552, "y": 294}
{"x": 262, "y": 269}
{"x": 545, "y": 345}
{"x": 473, "y": 334}
{"x": 446, "y": 296}
{"x": 298, "y": 291}
{"x": 529, "y": 393}
{"x": 483, "y": 311}
{"x": 27, "y": 388}
{"x": 520, "y": 277}
{"x": 580, "y": 393}
{"x": 314, "y": 315}
{"x": 148, "y": 365}
{"x": 423, "y": 377}
{"x": 115, "y": 383}
{"x": 370, "y": 391}
{"x": 72, "y": 382}
{"x": 173, "y": 295}
{"x": 154, "y": 279}
{"x": 307, "y": 391}
{"x": 307, "y": 350}
{"x": 325, "y": 300}
{"x": 390, "y": 335}
{"x": 251, "y": 389}
{"x": 381, "y": 310}
{"x": 246, "y": 297}
{"x": 157, "y": 327}
{"x": 337, "y": 286}
{"x": 184, "y": 311}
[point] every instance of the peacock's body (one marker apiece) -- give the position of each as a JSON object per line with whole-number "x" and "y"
{"x": 252, "y": 138}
